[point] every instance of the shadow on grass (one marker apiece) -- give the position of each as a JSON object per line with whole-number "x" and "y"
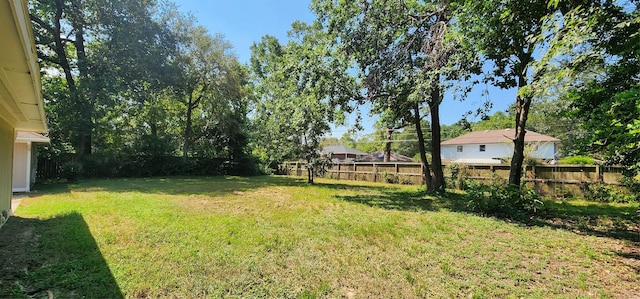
{"x": 619, "y": 222}
{"x": 603, "y": 220}
{"x": 406, "y": 200}
{"x": 178, "y": 185}
{"x": 599, "y": 219}
{"x": 55, "y": 257}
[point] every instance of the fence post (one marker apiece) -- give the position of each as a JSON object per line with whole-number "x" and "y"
{"x": 355, "y": 169}
{"x": 534, "y": 171}
{"x": 599, "y": 175}
{"x": 375, "y": 172}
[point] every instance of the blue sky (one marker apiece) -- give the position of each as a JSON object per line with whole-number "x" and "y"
{"x": 244, "y": 22}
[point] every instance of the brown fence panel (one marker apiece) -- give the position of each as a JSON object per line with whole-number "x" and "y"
{"x": 552, "y": 180}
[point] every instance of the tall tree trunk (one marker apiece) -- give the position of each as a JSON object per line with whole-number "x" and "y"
{"x": 438, "y": 181}
{"x": 63, "y": 60}
{"x": 426, "y": 174}
{"x": 85, "y": 100}
{"x": 523, "y": 103}
{"x": 55, "y": 32}
{"x": 309, "y": 172}
{"x": 154, "y": 129}
{"x": 187, "y": 128}
{"x": 387, "y": 146}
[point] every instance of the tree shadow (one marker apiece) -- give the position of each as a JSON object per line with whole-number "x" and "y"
{"x": 401, "y": 201}
{"x": 407, "y": 200}
{"x": 602, "y": 220}
{"x": 173, "y": 185}
{"x": 598, "y": 219}
{"x": 53, "y": 257}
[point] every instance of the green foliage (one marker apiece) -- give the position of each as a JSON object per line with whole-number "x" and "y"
{"x": 318, "y": 166}
{"x": 498, "y": 120}
{"x": 294, "y": 91}
{"x": 405, "y": 142}
{"x": 389, "y": 177}
{"x": 609, "y": 104}
{"x": 528, "y": 49}
{"x": 108, "y": 166}
{"x": 136, "y": 78}
{"x": 503, "y": 201}
{"x": 606, "y": 193}
{"x": 577, "y": 160}
{"x": 458, "y": 175}
{"x": 71, "y": 170}
{"x": 407, "y": 56}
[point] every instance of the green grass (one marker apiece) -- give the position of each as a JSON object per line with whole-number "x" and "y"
{"x": 279, "y": 237}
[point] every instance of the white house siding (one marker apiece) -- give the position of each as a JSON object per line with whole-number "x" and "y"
{"x": 6, "y": 164}
{"x": 547, "y": 150}
{"x": 472, "y": 151}
{"x": 493, "y": 150}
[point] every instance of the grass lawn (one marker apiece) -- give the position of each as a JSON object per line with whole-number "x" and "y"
{"x": 279, "y": 237}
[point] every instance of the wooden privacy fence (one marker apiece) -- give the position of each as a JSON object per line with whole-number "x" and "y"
{"x": 552, "y": 180}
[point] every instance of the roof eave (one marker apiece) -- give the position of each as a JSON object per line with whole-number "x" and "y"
{"x": 21, "y": 101}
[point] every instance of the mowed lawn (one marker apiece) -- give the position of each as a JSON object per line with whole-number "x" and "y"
{"x": 279, "y": 237}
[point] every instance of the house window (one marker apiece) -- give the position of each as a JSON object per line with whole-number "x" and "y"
{"x": 483, "y": 148}
{"x": 459, "y": 149}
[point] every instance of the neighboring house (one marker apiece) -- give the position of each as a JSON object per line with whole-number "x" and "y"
{"x": 341, "y": 153}
{"x": 25, "y": 160}
{"x": 21, "y": 103}
{"x": 491, "y": 146}
{"x": 379, "y": 157}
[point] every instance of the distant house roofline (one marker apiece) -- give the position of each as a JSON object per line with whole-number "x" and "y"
{"x": 379, "y": 156}
{"x": 498, "y": 136}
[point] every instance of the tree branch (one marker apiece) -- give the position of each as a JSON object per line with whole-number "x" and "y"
{"x": 42, "y": 24}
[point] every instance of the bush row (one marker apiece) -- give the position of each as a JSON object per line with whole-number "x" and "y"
{"x": 105, "y": 166}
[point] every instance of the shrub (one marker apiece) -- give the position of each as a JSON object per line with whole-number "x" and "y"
{"x": 456, "y": 179}
{"x": 390, "y": 178}
{"x": 244, "y": 166}
{"x": 604, "y": 193}
{"x": 579, "y": 160}
{"x": 503, "y": 201}
{"x": 71, "y": 170}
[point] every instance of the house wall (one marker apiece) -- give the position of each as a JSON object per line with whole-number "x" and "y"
{"x": 6, "y": 163}
{"x": 546, "y": 150}
{"x": 495, "y": 150}
{"x": 21, "y": 167}
{"x": 472, "y": 151}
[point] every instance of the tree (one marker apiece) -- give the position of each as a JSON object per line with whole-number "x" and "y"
{"x": 406, "y": 53}
{"x": 108, "y": 54}
{"x": 405, "y": 142}
{"x": 609, "y": 104}
{"x": 59, "y": 27}
{"x": 295, "y": 88}
{"x": 140, "y": 79}
{"x": 519, "y": 39}
{"x": 207, "y": 65}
